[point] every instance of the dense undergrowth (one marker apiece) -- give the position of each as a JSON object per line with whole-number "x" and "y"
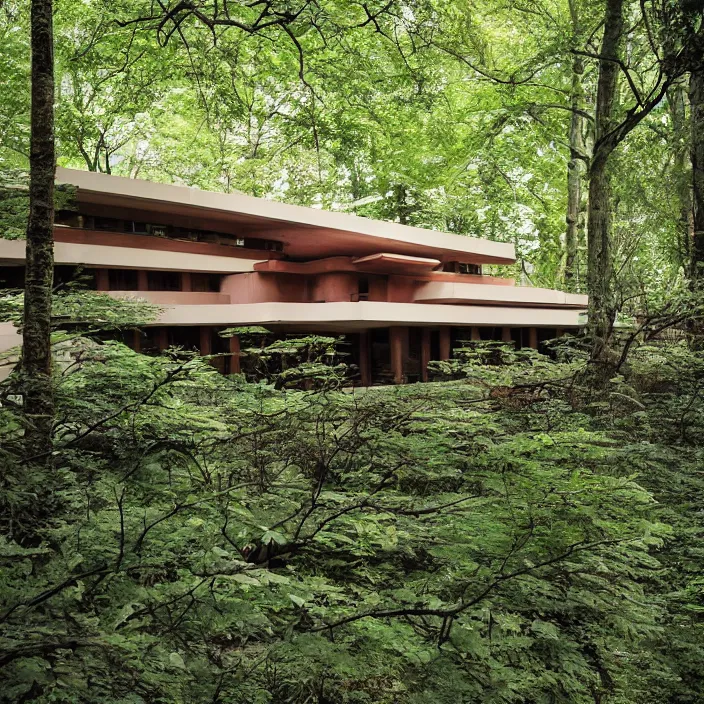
{"x": 507, "y": 536}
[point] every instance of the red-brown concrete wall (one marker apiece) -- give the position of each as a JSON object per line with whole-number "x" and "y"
{"x": 328, "y": 287}
{"x": 401, "y": 289}
{"x": 264, "y": 288}
{"x": 378, "y": 288}
{"x": 334, "y": 287}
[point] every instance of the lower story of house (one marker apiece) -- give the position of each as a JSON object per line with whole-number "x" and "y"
{"x": 396, "y": 354}
{"x": 390, "y": 333}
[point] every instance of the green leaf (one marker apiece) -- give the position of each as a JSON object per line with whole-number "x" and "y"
{"x": 177, "y": 661}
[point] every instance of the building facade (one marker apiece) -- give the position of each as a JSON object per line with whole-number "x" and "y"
{"x": 401, "y": 296}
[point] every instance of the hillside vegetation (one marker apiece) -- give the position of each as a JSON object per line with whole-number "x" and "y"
{"x": 508, "y": 536}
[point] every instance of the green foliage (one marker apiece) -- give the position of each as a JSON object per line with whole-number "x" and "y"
{"x": 14, "y": 203}
{"x": 453, "y": 117}
{"x": 201, "y": 538}
{"x": 82, "y": 311}
{"x": 506, "y": 536}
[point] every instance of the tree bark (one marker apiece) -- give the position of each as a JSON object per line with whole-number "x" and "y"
{"x": 599, "y": 264}
{"x": 36, "y": 336}
{"x": 574, "y": 167}
{"x": 677, "y": 102}
{"x": 401, "y": 206}
{"x": 696, "y": 100}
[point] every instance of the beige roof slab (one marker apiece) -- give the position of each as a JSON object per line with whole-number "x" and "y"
{"x": 384, "y": 262}
{"x": 306, "y": 232}
{"x": 457, "y": 292}
{"x": 13, "y": 252}
{"x": 366, "y": 314}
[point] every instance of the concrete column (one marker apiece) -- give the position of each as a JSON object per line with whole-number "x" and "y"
{"x": 506, "y": 334}
{"x": 206, "y": 340}
{"x": 559, "y": 332}
{"x": 398, "y": 342}
{"x": 137, "y": 340}
{"x": 424, "y": 353}
{"x": 235, "y": 366}
{"x": 186, "y": 284}
{"x": 142, "y": 281}
{"x": 102, "y": 280}
{"x": 533, "y": 338}
{"x": 476, "y": 335}
{"x": 445, "y": 343}
{"x": 365, "y": 362}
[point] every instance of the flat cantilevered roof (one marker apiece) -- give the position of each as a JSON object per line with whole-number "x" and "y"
{"x": 307, "y": 233}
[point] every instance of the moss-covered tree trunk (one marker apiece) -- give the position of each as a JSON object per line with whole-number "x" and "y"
{"x": 696, "y": 99}
{"x": 599, "y": 264}
{"x": 36, "y": 340}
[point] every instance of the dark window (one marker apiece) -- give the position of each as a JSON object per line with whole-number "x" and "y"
{"x": 517, "y": 337}
{"x": 140, "y": 228}
{"x": 64, "y": 275}
{"x": 412, "y": 364}
{"x": 151, "y": 341}
{"x": 380, "y": 356}
{"x": 380, "y": 336}
{"x": 123, "y": 280}
{"x": 111, "y": 224}
{"x": 490, "y": 333}
{"x": 470, "y": 269}
{"x": 462, "y": 268}
{"x": 434, "y": 344}
{"x": 363, "y": 289}
{"x": 187, "y": 337}
{"x": 12, "y": 277}
{"x": 164, "y": 281}
{"x": 205, "y": 282}
{"x": 68, "y": 218}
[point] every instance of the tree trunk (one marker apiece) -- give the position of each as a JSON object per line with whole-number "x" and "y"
{"x": 696, "y": 100}
{"x": 677, "y": 102}
{"x": 574, "y": 182}
{"x": 36, "y": 339}
{"x": 599, "y": 264}
{"x": 401, "y": 206}
{"x": 574, "y": 167}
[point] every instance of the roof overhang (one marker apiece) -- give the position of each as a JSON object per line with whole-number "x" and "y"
{"x": 385, "y": 262}
{"x": 306, "y": 232}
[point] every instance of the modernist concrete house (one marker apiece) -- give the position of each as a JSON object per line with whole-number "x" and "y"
{"x": 402, "y": 296}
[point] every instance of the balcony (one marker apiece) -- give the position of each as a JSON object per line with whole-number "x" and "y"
{"x": 487, "y": 294}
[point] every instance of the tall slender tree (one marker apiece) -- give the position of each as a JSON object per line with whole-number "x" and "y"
{"x": 599, "y": 270}
{"x": 575, "y": 166}
{"x": 696, "y": 98}
{"x": 36, "y": 338}
{"x": 677, "y": 104}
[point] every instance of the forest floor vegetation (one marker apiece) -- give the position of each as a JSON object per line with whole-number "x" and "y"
{"x": 503, "y": 536}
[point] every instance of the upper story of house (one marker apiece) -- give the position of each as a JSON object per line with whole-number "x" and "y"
{"x": 180, "y": 246}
